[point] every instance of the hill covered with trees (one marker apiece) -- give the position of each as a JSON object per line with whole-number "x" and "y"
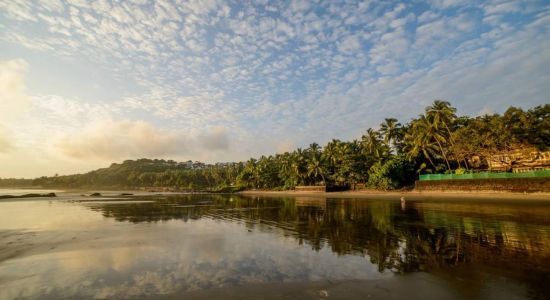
{"x": 390, "y": 157}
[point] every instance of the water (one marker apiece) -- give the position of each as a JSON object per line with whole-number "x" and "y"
{"x": 18, "y": 192}
{"x": 227, "y": 246}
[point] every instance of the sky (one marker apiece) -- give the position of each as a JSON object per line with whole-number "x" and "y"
{"x": 84, "y": 83}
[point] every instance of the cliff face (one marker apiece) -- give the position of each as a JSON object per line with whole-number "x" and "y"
{"x": 519, "y": 161}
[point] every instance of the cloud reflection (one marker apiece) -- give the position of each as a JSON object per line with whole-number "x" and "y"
{"x": 171, "y": 245}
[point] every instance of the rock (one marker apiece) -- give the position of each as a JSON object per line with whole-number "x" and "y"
{"x": 32, "y": 195}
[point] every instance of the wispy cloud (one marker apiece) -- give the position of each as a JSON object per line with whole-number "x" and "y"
{"x": 115, "y": 140}
{"x": 13, "y": 97}
{"x": 269, "y": 71}
{"x": 5, "y": 140}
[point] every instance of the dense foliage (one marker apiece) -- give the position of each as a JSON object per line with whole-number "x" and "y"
{"x": 438, "y": 141}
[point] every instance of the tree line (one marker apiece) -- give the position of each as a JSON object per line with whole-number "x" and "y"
{"x": 390, "y": 157}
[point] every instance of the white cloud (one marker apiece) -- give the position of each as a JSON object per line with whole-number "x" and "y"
{"x": 6, "y": 142}
{"x": 402, "y": 21}
{"x": 34, "y": 43}
{"x": 262, "y": 73}
{"x": 18, "y": 9}
{"x": 427, "y": 16}
{"x": 286, "y": 145}
{"x": 53, "y": 5}
{"x": 215, "y": 139}
{"x": 115, "y": 140}
{"x": 504, "y": 7}
{"x": 444, "y": 4}
{"x": 110, "y": 140}
{"x": 13, "y": 97}
{"x": 349, "y": 44}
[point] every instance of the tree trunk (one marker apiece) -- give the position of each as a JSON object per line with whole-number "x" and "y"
{"x": 429, "y": 159}
{"x": 443, "y": 152}
{"x": 453, "y": 144}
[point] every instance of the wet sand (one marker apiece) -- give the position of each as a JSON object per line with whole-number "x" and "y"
{"x": 98, "y": 247}
{"x": 393, "y": 195}
{"x": 420, "y": 285}
{"x": 366, "y": 194}
{"x": 416, "y": 286}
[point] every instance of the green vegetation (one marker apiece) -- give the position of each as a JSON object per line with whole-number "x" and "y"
{"x": 438, "y": 141}
{"x": 146, "y": 173}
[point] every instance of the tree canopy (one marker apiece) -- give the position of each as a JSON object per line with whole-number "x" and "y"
{"x": 392, "y": 156}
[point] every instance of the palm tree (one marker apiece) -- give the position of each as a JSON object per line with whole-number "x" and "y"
{"x": 299, "y": 164}
{"x": 314, "y": 162}
{"x": 419, "y": 140}
{"x": 330, "y": 152}
{"x": 371, "y": 143}
{"x": 430, "y": 136}
{"x": 390, "y": 130}
{"x": 286, "y": 169}
{"x": 442, "y": 116}
{"x": 331, "y": 155}
{"x": 250, "y": 172}
{"x": 314, "y": 148}
{"x": 315, "y": 168}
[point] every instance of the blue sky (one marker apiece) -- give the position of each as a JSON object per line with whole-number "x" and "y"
{"x": 85, "y": 83}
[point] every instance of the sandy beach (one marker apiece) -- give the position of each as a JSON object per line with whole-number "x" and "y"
{"x": 432, "y": 195}
{"x": 362, "y": 194}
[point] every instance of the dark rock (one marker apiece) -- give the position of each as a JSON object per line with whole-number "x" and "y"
{"x": 32, "y": 195}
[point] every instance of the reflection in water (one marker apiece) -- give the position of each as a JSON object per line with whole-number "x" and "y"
{"x": 203, "y": 241}
{"x": 394, "y": 238}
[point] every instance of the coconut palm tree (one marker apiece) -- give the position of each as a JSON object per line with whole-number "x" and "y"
{"x": 419, "y": 140}
{"x": 250, "y": 173}
{"x": 314, "y": 148}
{"x": 372, "y": 144}
{"x": 390, "y": 130}
{"x": 299, "y": 165}
{"x": 332, "y": 158}
{"x": 331, "y": 153}
{"x": 442, "y": 116}
{"x": 315, "y": 168}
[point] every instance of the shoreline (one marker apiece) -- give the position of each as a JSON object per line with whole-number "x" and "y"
{"x": 362, "y": 194}
{"x": 433, "y": 195}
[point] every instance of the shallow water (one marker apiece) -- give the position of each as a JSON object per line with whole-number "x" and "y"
{"x": 227, "y": 246}
{"x": 18, "y": 192}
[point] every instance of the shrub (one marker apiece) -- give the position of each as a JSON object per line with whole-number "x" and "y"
{"x": 394, "y": 173}
{"x": 460, "y": 171}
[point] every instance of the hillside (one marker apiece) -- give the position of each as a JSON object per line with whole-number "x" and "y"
{"x": 134, "y": 174}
